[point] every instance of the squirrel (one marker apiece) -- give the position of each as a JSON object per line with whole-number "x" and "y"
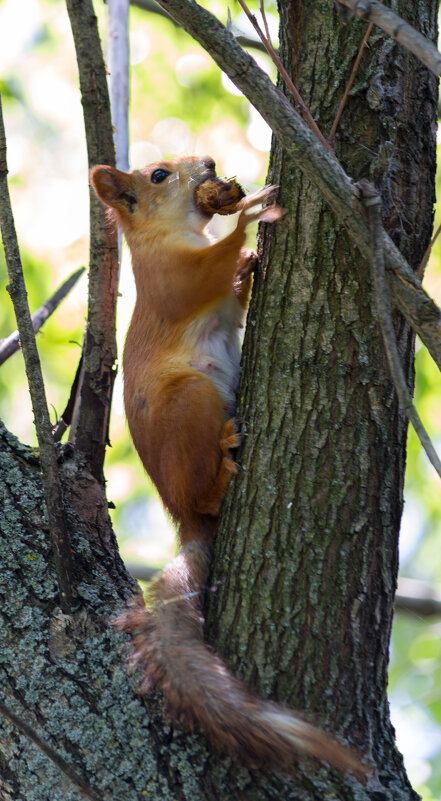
{"x": 181, "y": 366}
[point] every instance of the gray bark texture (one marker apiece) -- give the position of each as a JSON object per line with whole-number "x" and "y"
{"x": 305, "y": 560}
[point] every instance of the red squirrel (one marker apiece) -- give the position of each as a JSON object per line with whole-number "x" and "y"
{"x": 181, "y": 366}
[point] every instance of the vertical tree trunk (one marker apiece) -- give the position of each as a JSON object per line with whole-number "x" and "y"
{"x": 306, "y": 559}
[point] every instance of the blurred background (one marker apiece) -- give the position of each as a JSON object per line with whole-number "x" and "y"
{"x": 180, "y": 104}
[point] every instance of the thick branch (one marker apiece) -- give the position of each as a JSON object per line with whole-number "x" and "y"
{"x": 90, "y": 427}
{"x": 11, "y": 344}
{"x": 307, "y": 153}
{"x": 397, "y": 28}
{"x": 48, "y": 460}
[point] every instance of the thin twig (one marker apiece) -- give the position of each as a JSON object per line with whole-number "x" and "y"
{"x": 66, "y": 418}
{"x": 308, "y": 154}
{"x": 265, "y": 21}
{"x": 425, "y": 259}
{"x": 48, "y": 460}
{"x": 91, "y": 420}
{"x": 11, "y": 344}
{"x": 61, "y": 763}
{"x": 373, "y": 11}
{"x": 266, "y": 41}
{"x": 350, "y": 82}
{"x": 372, "y": 203}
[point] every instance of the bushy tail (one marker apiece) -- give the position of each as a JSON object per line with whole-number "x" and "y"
{"x": 198, "y": 688}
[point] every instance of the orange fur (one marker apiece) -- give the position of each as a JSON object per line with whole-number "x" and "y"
{"x": 181, "y": 362}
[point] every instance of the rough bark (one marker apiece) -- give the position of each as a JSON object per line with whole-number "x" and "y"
{"x": 90, "y": 422}
{"x": 306, "y": 559}
{"x": 306, "y": 565}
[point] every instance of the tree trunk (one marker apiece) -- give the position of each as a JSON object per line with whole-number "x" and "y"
{"x": 306, "y": 567}
{"x": 306, "y": 558}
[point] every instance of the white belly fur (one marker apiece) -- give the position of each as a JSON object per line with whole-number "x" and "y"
{"x": 218, "y": 346}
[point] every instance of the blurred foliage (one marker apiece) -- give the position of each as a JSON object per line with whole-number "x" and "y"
{"x": 178, "y": 100}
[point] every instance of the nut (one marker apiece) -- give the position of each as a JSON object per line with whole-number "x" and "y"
{"x": 216, "y": 196}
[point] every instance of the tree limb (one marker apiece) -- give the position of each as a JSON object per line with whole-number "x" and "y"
{"x": 307, "y": 153}
{"x": 418, "y": 597}
{"x": 91, "y": 421}
{"x": 372, "y": 201}
{"x": 48, "y": 460}
{"x": 11, "y": 344}
{"x": 398, "y": 29}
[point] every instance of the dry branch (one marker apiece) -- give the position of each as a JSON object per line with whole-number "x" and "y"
{"x": 48, "y": 460}
{"x": 418, "y": 597}
{"x": 307, "y": 153}
{"x": 350, "y": 81}
{"x": 66, "y": 418}
{"x": 11, "y": 344}
{"x": 372, "y": 202}
{"x": 398, "y": 29}
{"x": 91, "y": 418}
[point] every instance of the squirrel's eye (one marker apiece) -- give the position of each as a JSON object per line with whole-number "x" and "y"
{"x": 158, "y": 176}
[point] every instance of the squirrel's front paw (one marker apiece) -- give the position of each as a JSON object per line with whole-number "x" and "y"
{"x": 268, "y": 214}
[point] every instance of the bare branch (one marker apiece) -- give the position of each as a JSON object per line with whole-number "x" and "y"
{"x": 48, "y": 460}
{"x": 418, "y": 597}
{"x": 372, "y": 202}
{"x": 118, "y": 61}
{"x": 350, "y": 81}
{"x": 11, "y": 344}
{"x": 66, "y": 418}
{"x": 90, "y": 427}
{"x": 398, "y": 29}
{"x": 307, "y": 153}
{"x": 61, "y": 763}
{"x": 425, "y": 259}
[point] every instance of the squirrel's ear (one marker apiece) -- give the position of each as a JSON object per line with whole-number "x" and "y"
{"x": 113, "y": 187}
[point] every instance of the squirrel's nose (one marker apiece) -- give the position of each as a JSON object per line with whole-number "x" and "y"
{"x": 209, "y": 162}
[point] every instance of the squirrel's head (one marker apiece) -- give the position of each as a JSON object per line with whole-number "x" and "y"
{"x": 158, "y": 198}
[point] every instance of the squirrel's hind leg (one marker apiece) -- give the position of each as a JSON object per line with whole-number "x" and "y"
{"x": 229, "y": 438}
